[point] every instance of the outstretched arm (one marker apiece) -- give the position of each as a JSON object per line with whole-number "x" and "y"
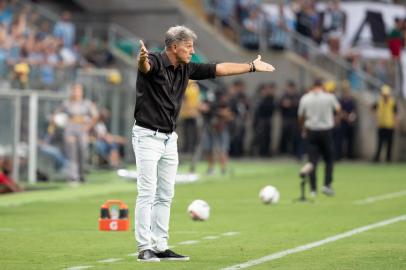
{"x": 227, "y": 69}
{"x": 143, "y": 63}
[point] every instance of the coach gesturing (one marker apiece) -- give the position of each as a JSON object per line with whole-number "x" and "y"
{"x": 161, "y": 83}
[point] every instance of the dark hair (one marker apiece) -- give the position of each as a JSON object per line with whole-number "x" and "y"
{"x": 318, "y": 82}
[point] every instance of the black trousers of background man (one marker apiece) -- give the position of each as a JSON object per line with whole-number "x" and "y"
{"x": 385, "y": 135}
{"x": 321, "y": 143}
{"x": 190, "y": 133}
{"x": 262, "y": 141}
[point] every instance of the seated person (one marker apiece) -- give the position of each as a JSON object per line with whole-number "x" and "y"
{"x": 7, "y": 184}
{"x": 107, "y": 145}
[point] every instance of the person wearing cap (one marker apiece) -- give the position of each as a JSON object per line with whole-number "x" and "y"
{"x": 316, "y": 119}
{"x": 386, "y": 116}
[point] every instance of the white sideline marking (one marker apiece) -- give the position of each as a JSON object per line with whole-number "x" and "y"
{"x": 381, "y": 197}
{"x": 79, "y": 267}
{"x": 211, "y": 237}
{"x": 110, "y": 260}
{"x": 230, "y": 233}
{"x": 190, "y": 242}
{"x": 327, "y": 240}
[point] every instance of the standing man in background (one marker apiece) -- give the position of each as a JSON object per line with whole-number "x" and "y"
{"x": 290, "y": 136}
{"x": 316, "y": 119}
{"x": 188, "y": 115}
{"x": 386, "y": 116}
{"x": 161, "y": 83}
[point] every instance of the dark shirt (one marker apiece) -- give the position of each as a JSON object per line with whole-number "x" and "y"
{"x": 347, "y": 105}
{"x": 265, "y": 108}
{"x": 290, "y": 112}
{"x": 160, "y": 91}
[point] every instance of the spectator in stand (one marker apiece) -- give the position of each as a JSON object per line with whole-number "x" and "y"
{"x": 348, "y": 121}
{"x": 244, "y": 7}
{"x": 6, "y": 13}
{"x": 82, "y": 115}
{"x": 395, "y": 39}
{"x": 280, "y": 26}
{"x": 262, "y": 122}
{"x": 21, "y": 72}
{"x": 240, "y": 106}
{"x": 334, "y": 23}
{"x": 51, "y": 144}
{"x": 252, "y": 27}
{"x": 290, "y": 135}
{"x": 44, "y": 31}
{"x": 64, "y": 29}
{"x": 381, "y": 70}
{"x": 7, "y": 184}
{"x": 189, "y": 113}
{"x": 386, "y": 116}
{"x": 353, "y": 75}
{"x": 50, "y": 65}
{"x": 107, "y": 145}
{"x": 304, "y": 25}
{"x": 225, "y": 11}
{"x": 210, "y": 9}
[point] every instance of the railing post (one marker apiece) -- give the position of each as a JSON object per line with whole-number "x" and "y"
{"x": 32, "y": 138}
{"x": 16, "y": 139}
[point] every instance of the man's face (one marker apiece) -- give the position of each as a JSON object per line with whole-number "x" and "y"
{"x": 184, "y": 51}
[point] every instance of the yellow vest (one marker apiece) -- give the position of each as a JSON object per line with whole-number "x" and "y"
{"x": 385, "y": 113}
{"x": 191, "y": 101}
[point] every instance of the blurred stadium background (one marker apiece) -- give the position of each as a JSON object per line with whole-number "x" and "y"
{"x": 356, "y": 47}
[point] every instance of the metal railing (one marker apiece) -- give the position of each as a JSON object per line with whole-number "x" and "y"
{"x": 334, "y": 64}
{"x": 21, "y": 125}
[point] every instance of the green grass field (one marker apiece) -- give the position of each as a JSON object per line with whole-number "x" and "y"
{"x": 58, "y": 228}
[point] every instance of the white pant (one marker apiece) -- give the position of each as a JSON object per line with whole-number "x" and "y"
{"x": 157, "y": 160}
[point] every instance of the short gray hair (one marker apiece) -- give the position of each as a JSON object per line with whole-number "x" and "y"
{"x": 177, "y": 34}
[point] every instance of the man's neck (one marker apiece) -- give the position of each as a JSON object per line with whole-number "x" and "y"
{"x": 172, "y": 58}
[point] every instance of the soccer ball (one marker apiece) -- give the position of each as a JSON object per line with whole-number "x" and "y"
{"x": 199, "y": 210}
{"x": 61, "y": 119}
{"x": 269, "y": 195}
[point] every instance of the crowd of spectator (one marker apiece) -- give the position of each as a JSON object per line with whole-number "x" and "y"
{"x": 38, "y": 53}
{"x": 249, "y": 23}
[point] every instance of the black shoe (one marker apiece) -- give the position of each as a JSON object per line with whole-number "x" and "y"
{"x": 147, "y": 256}
{"x": 169, "y": 255}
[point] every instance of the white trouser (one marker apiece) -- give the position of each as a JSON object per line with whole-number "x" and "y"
{"x": 157, "y": 160}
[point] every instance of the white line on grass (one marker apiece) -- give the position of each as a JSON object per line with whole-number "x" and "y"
{"x": 79, "y": 267}
{"x": 230, "y": 233}
{"x": 110, "y": 260}
{"x": 190, "y": 242}
{"x": 327, "y": 240}
{"x": 211, "y": 237}
{"x": 381, "y": 197}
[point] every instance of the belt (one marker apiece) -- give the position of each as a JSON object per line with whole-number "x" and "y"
{"x": 148, "y": 126}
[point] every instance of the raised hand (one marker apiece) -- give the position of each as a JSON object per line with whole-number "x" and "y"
{"x": 143, "y": 55}
{"x": 143, "y": 62}
{"x": 262, "y": 66}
